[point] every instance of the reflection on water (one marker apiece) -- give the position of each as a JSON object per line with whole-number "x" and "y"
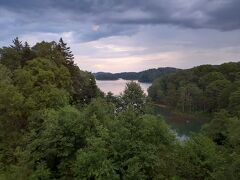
{"x": 181, "y": 123}
{"x": 118, "y": 86}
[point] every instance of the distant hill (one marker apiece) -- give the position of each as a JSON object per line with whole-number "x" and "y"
{"x": 143, "y": 76}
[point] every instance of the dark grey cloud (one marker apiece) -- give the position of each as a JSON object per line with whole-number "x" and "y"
{"x": 214, "y": 14}
{"x": 129, "y": 35}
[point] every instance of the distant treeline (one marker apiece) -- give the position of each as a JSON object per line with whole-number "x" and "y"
{"x": 143, "y": 76}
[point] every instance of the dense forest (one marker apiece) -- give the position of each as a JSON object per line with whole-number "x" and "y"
{"x": 143, "y": 76}
{"x": 204, "y": 88}
{"x": 56, "y": 124}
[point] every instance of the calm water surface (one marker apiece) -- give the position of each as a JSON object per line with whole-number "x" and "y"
{"x": 182, "y": 124}
{"x": 118, "y": 86}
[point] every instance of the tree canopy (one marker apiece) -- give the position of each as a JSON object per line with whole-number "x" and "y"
{"x": 56, "y": 124}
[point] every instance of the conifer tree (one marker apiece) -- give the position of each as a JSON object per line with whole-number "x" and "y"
{"x": 17, "y": 44}
{"x": 27, "y": 54}
{"x": 66, "y": 52}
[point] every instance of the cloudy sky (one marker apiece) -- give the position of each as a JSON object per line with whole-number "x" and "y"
{"x": 129, "y": 35}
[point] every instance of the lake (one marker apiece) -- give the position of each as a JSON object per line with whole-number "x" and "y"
{"x": 118, "y": 86}
{"x": 182, "y": 124}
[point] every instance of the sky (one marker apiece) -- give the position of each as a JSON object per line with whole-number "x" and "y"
{"x": 129, "y": 35}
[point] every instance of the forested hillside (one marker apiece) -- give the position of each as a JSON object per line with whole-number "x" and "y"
{"x": 56, "y": 124}
{"x": 143, "y": 76}
{"x": 204, "y": 88}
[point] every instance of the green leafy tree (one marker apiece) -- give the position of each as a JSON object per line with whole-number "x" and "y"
{"x": 234, "y": 103}
{"x": 198, "y": 158}
{"x": 48, "y": 50}
{"x": 190, "y": 98}
{"x": 210, "y": 77}
{"x": 55, "y": 141}
{"x": 156, "y": 91}
{"x": 214, "y": 91}
{"x": 134, "y": 147}
{"x": 218, "y": 129}
{"x": 12, "y": 121}
{"x": 133, "y": 97}
{"x": 94, "y": 161}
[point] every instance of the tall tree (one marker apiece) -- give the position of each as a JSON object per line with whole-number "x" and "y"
{"x": 17, "y": 44}
{"x": 11, "y": 56}
{"x": 66, "y": 52}
{"x": 27, "y": 54}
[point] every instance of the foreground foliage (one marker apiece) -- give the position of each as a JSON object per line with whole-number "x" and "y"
{"x": 56, "y": 124}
